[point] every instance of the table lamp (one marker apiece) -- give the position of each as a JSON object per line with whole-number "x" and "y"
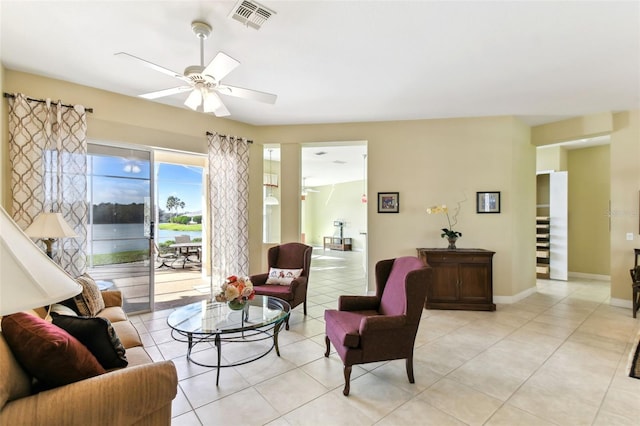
{"x": 28, "y": 278}
{"x": 48, "y": 227}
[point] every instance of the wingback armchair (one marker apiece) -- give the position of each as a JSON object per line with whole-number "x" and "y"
{"x": 283, "y": 260}
{"x": 382, "y": 327}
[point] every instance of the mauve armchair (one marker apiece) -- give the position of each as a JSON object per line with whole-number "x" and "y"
{"x": 288, "y": 256}
{"x": 382, "y": 327}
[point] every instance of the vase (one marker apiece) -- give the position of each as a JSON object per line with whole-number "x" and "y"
{"x": 236, "y": 305}
{"x": 452, "y": 243}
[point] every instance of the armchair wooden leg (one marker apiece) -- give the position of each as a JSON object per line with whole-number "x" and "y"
{"x": 326, "y": 339}
{"x": 347, "y": 379}
{"x": 304, "y": 305}
{"x": 410, "y": 369}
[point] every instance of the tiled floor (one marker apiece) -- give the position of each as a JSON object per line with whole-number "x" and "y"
{"x": 556, "y": 358}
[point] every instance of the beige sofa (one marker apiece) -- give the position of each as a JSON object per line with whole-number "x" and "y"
{"x": 139, "y": 394}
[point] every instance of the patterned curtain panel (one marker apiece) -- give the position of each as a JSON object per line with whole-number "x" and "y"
{"x": 229, "y": 204}
{"x": 48, "y": 154}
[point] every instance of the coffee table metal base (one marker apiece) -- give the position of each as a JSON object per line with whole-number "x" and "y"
{"x": 241, "y": 337}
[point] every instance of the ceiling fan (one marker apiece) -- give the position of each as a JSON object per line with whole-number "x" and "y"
{"x": 204, "y": 82}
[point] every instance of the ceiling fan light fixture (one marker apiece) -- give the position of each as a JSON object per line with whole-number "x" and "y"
{"x": 194, "y": 99}
{"x": 211, "y": 102}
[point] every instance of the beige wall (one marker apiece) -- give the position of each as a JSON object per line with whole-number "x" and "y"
{"x": 625, "y": 183}
{"x": 434, "y": 162}
{"x": 551, "y": 158}
{"x": 589, "y": 191}
{"x": 572, "y": 129}
{"x": 427, "y": 161}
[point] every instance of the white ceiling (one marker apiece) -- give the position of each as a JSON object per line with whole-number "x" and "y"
{"x": 346, "y": 61}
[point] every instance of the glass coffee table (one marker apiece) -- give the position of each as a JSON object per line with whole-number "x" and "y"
{"x": 210, "y": 321}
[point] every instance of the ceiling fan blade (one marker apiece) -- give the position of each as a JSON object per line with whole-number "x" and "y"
{"x": 153, "y": 66}
{"x": 255, "y": 95}
{"x": 194, "y": 100}
{"x": 220, "y": 66}
{"x": 166, "y": 92}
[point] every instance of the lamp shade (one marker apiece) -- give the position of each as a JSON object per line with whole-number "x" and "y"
{"x": 50, "y": 225}
{"x": 28, "y": 278}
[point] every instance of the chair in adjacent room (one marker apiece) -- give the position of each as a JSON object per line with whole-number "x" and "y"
{"x": 288, "y": 276}
{"x": 383, "y": 327}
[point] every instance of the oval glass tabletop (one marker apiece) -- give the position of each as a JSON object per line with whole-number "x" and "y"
{"x": 209, "y": 317}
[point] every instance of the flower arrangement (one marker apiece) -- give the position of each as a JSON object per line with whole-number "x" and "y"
{"x": 236, "y": 289}
{"x": 446, "y": 232}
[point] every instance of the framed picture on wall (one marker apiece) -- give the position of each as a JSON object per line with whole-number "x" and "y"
{"x": 388, "y": 202}
{"x": 488, "y": 202}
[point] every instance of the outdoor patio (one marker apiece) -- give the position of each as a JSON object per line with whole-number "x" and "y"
{"x": 173, "y": 287}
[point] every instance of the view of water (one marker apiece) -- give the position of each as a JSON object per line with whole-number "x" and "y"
{"x": 125, "y": 237}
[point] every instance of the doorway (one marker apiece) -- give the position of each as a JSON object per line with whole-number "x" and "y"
{"x": 334, "y": 197}
{"x": 583, "y": 236}
{"x": 180, "y": 182}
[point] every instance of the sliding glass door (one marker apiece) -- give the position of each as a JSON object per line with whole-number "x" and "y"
{"x": 120, "y": 229}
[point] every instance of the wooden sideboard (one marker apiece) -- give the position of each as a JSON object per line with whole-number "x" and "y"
{"x": 462, "y": 279}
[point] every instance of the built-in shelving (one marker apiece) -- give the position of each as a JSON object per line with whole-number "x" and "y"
{"x": 543, "y": 246}
{"x": 551, "y": 225}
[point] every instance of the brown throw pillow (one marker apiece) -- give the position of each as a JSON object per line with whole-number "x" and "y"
{"x": 90, "y": 301}
{"x": 98, "y": 335}
{"x": 47, "y": 352}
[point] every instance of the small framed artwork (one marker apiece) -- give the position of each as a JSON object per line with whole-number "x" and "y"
{"x": 488, "y": 202}
{"x": 388, "y": 202}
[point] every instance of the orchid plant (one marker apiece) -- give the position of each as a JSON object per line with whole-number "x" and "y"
{"x": 447, "y": 232}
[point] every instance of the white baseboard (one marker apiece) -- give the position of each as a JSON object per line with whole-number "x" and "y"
{"x": 516, "y": 298}
{"x": 621, "y": 303}
{"x": 589, "y": 276}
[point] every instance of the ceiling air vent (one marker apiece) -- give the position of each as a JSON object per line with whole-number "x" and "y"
{"x": 251, "y": 13}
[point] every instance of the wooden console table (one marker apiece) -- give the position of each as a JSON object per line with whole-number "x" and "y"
{"x": 337, "y": 243}
{"x": 462, "y": 279}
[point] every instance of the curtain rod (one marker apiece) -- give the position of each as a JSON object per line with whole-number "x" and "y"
{"x": 11, "y": 95}
{"x": 224, "y": 136}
